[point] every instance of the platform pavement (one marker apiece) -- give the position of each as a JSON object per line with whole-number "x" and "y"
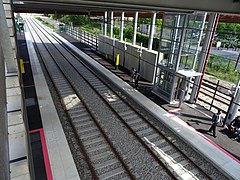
{"x": 194, "y": 115}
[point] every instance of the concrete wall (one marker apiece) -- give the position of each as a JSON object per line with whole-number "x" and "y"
{"x": 4, "y": 151}
{"x": 131, "y": 57}
{"x": 7, "y": 35}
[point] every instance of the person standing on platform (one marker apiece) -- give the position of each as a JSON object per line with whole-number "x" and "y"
{"x": 132, "y": 75}
{"x": 217, "y": 118}
{"x": 137, "y": 78}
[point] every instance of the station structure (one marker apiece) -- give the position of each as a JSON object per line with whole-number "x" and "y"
{"x": 178, "y": 59}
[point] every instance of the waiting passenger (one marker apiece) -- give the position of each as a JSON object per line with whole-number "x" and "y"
{"x": 217, "y": 118}
{"x": 137, "y": 78}
{"x": 234, "y": 125}
{"x": 132, "y": 75}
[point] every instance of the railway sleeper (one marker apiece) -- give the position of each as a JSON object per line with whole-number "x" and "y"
{"x": 90, "y": 142}
{"x": 86, "y": 131}
{"x": 83, "y": 124}
{"x": 135, "y": 122}
{"x": 95, "y": 143}
{"x": 110, "y": 175}
{"x": 98, "y": 148}
{"x": 126, "y": 112}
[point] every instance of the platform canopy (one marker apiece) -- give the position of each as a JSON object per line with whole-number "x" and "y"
{"x": 59, "y": 6}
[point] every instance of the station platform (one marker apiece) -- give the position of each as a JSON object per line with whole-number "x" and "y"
{"x": 42, "y": 135}
{"x": 190, "y": 122}
{"x": 193, "y": 114}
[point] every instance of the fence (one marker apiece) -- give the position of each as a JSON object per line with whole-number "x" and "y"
{"x": 131, "y": 56}
{"x": 214, "y": 95}
{"x": 83, "y": 36}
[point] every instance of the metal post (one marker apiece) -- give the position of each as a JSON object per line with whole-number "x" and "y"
{"x": 84, "y": 36}
{"x": 212, "y": 24}
{"x": 122, "y": 26}
{"x": 156, "y": 74}
{"x": 135, "y": 28}
{"x": 199, "y": 40}
{"x": 175, "y": 38}
{"x": 140, "y": 55}
{"x": 180, "y": 49}
{"x": 215, "y": 92}
{"x": 4, "y": 147}
{"x": 111, "y": 25}
{"x": 113, "y": 47}
{"x": 105, "y": 24}
{"x": 77, "y": 35}
{"x": 237, "y": 62}
{"x": 124, "y": 56}
{"x": 150, "y": 41}
{"x": 88, "y": 40}
{"x": 96, "y": 42}
{"x": 81, "y": 35}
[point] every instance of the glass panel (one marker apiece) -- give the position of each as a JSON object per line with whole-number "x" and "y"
{"x": 186, "y": 62}
{"x": 165, "y": 81}
{"x": 169, "y": 20}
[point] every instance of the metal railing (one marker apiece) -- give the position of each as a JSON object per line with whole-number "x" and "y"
{"x": 214, "y": 95}
{"x": 85, "y": 37}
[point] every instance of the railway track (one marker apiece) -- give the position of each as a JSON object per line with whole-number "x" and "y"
{"x": 118, "y": 142}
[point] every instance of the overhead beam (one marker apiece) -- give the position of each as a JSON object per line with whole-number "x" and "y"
{"x": 221, "y": 6}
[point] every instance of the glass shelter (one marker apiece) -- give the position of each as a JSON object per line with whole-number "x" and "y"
{"x": 179, "y": 47}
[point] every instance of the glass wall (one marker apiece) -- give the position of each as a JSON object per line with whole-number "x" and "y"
{"x": 180, "y": 44}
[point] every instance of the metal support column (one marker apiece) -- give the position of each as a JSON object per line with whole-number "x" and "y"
{"x": 135, "y": 28}
{"x": 5, "y": 40}
{"x": 111, "y": 24}
{"x": 105, "y": 24}
{"x": 4, "y": 147}
{"x": 182, "y": 38}
{"x": 203, "y": 55}
{"x": 122, "y": 26}
{"x": 234, "y": 105}
{"x": 150, "y": 41}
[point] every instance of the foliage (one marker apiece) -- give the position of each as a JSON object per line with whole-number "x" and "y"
{"x": 45, "y": 22}
{"x": 158, "y": 22}
{"x": 142, "y": 38}
{"x": 222, "y": 68}
{"x": 228, "y": 34}
{"x": 128, "y": 32}
{"x": 116, "y": 32}
{"x": 83, "y": 22}
{"x": 56, "y": 16}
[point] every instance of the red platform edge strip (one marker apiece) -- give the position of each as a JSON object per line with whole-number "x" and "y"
{"x": 206, "y": 138}
{"x": 45, "y": 152}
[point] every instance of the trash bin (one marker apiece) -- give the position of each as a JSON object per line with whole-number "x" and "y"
{"x": 20, "y": 26}
{"x": 61, "y": 27}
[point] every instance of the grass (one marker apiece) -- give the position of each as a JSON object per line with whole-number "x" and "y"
{"x": 46, "y": 23}
{"x": 91, "y": 30}
{"x": 231, "y": 76}
{"x": 221, "y": 68}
